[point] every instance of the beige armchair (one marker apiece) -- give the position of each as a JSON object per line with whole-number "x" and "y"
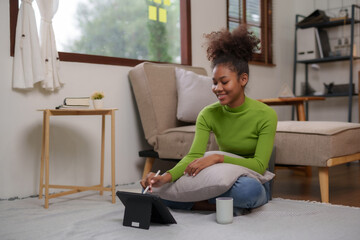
{"x": 154, "y": 87}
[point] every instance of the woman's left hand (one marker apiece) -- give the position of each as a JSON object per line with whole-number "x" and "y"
{"x": 199, "y": 164}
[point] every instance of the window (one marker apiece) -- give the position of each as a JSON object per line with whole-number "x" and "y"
{"x": 257, "y": 15}
{"x": 119, "y": 32}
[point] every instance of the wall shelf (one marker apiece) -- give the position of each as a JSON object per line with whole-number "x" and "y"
{"x": 330, "y": 95}
{"x": 328, "y": 24}
{"x": 328, "y": 59}
{"x": 351, "y": 21}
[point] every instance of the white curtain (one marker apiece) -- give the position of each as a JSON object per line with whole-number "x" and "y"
{"x": 49, "y": 53}
{"x": 28, "y": 66}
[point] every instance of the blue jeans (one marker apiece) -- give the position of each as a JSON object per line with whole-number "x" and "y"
{"x": 246, "y": 193}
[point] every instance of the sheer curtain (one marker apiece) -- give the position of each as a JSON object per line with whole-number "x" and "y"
{"x": 49, "y": 53}
{"x": 28, "y": 67}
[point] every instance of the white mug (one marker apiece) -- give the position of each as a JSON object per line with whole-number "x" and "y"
{"x": 224, "y": 210}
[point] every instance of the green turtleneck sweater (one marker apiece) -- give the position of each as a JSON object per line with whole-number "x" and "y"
{"x": 248, "y": 131}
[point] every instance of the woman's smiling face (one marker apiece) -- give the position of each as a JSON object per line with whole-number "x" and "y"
{"x": 228, "y": 87}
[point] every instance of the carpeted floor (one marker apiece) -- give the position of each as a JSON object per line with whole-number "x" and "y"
{"x": 90, "y": 216}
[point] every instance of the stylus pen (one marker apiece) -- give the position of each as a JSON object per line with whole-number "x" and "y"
{"x": 147, "y": 188}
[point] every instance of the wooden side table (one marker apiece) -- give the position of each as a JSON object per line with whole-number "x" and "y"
{"x": 298, "y": 102}
{"x": 45, "y": 153}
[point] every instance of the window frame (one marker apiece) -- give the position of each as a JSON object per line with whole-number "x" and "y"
{"x": 266, "y": 55}
{"x": 185, "y": 38}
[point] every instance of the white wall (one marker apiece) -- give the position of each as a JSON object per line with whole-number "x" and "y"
{"x": 75, "y": 141}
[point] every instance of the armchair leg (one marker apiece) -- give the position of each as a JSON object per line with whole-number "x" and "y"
{"x": 148, "y": 165}
{"x": 324, "y": 183}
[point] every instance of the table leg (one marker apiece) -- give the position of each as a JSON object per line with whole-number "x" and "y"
{"x": 102, "y": 153}
{"x": 46, "y": 152}
{"x": 300, "y": 109}
{"x": 113, "y": 155}
{"x": 41, "y": 185}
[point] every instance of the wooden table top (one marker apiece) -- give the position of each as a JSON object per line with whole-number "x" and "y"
{"x": 289, "y": 100}
{"x": 75, "y": 111}
{"x": 78, "y": 109}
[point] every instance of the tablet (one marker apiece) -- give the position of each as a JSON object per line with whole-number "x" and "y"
{"x": 141, "y": 209}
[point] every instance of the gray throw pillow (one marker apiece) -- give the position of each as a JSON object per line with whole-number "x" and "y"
{"x": 194, "y": 93}
{"x": 210, "y": 182}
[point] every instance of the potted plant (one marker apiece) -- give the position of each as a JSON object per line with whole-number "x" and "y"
{"x": 97, "y": 98}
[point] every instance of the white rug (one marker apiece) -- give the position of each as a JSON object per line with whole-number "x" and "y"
{"x": 90, "y": 216}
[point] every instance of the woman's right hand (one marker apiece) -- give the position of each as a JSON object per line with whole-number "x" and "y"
{"x": 152, "y": 181}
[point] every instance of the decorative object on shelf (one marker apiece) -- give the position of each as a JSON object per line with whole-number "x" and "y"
{"x": 98, "y": 101}
{"x": 343, "y": 13}
{"x": 307, "y": 90}
{"x": 315, "y": 66}
{"x": 338, "y": 89}
{"x": 329, "y": 88}
{"x": 343, "y": 46}
{"x": 285, "y": 92}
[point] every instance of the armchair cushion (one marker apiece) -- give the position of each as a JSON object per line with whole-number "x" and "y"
{"x": 194, "y": 93}
{"x": 332, "y": 139}
{"x": 175, "y": 143}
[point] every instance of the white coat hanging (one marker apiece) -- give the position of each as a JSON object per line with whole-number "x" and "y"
{"x": 28, "y": 67}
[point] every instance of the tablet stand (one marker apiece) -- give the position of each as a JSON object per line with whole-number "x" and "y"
{"x": 138, "y": 213}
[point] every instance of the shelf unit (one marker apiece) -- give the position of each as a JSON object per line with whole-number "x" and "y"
{"x": 331, "y": 24}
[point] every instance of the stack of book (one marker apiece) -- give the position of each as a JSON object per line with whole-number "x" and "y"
{"x": 323, "y": 43}
{"x": 75, "y": 102}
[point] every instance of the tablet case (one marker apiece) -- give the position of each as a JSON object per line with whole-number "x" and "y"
{"x": 141, "y": 209}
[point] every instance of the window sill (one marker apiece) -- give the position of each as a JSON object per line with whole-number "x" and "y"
{"x": 85, "y": 58}
{"x": 95, "y": 59}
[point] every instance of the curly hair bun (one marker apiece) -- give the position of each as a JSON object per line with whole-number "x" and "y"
{"x": 239, "y": 44}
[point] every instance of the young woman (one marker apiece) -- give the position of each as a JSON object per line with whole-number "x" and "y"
{"x": 242, "y": 126}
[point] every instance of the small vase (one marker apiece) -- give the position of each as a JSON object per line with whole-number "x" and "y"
{"x": 98, "y": 103}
